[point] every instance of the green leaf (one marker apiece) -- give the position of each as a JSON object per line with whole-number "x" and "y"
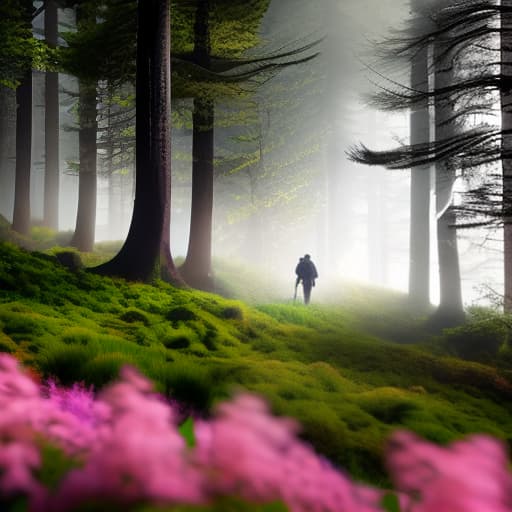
{"x": 390, "y": 503}
{"x": 55, "y": 465}
{"x": 186, "y": 429}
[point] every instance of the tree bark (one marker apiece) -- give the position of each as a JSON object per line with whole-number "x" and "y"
{"x": 51, "y": 128}
{"x": 419, "y": 266}
{"x": 196, "y": 269}
{"x": 450, "y": 311}
{"x": 506, "y": 160}
{"x": 83, "y": 238}
{"x": 145, "y": 254}
{"x": 21, "y": 214}
{"x": 7, "y": 145}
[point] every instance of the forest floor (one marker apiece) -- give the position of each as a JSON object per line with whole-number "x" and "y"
{"x": 349, "y": 370}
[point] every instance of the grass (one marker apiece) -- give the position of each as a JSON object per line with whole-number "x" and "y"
{"x": 346, "y": 370}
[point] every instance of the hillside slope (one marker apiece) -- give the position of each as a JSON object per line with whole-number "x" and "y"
{"x": 347, "y": 388}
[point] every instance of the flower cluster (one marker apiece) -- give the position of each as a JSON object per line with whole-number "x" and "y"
{"x": 125, "y": 448}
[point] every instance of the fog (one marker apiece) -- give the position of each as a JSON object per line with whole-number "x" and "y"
{"x": 301, "y": 194}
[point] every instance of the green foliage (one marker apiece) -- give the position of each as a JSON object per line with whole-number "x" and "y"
{"x": 19, "y": 50}
{"x": 481, "y": 338}
{"x": 220, "y": 505}
{"x": 104, "y": 45}
{"x": 390, "y": 503}
{"x": 186, "y": 429}
{"x": 55, "y": 464}
{"x": 233, "y": 29}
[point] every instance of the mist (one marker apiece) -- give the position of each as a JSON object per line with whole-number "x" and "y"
{"x": 283, "y": 184}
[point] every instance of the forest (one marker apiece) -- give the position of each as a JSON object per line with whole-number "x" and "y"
{"x": 255, "y": 255}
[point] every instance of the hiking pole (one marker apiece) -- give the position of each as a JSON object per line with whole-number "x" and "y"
{"x": 295, "y": 294}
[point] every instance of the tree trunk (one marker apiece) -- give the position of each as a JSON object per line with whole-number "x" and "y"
{"x": 419, "y": 266}
{"x": 51, "y": 128}
{"x": 83, "y": 238}
{"x": 7, "y": 145}
{"x": 450, "y": 311}
{"x": 197, "y": 267}
{"x": 506, "y": 160}
{"x": 145, "y": 253}
{"x": 21, "y": 215}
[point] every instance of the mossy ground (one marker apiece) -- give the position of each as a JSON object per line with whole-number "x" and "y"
{"x": 348, "y": 370}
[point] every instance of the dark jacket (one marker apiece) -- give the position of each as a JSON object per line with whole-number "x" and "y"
{"x": 306, "y": 270}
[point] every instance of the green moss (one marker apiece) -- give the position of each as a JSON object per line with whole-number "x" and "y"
{"x": 65, "y": 362}
{"x": 134, "y": 315}
{"x": 104, "y": 368}
{"x": 177, "y": 342}
{"x": 180, "y": 314}
{"x": 389, "y": 405}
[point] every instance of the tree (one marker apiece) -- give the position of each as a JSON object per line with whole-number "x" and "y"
{"x": 470, "y": 38}
{"x": 7, "y": 145}
{"x": 20, "y": 52}
{"x": 450, "y": 311}
{"x": 83, "y": 237}
{"x": 217, "y": 66}
{"x": 145, "y": 252}
{"x": 15, "y": 60}
{"x": 506, "y": 143}
{"x": 51, "y": 127}
{"x": 102, "y": 50}
{"x": 419, "y": 234}
{"x": 21, "y": 213}
{"x": 196, "y": 269}
{"x": 17, "y": 46}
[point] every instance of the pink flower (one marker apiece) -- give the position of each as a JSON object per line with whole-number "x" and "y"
{"x": 247, "y": 452}
{"x": 17, "y": 460}
{"x": 138, "y": 454}
{"x": 468, "y": 476}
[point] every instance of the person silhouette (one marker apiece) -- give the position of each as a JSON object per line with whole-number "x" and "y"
{"x": 307, "y": 273}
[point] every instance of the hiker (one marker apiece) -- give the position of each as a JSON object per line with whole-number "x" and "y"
{"x": 306, "y": 272}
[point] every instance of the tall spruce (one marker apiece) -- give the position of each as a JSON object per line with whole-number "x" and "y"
{"x": 468, "y": 38}
{"x": 85, "y": 227}
{"x": 450, "y": 310}
{"x": 196, "y": 269}
{"x": 51, "y": 124}
{"x": 219, "y": 70}
{"x": 22, "y": 212}
{"x": 419, "y": 231}
{"x": 145, "y": 253}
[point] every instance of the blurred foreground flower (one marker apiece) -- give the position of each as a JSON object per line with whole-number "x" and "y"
{"x": 470, "y": 475}
{"x": 123, "y": 448}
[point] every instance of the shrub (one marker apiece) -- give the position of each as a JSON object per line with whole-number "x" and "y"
{"x": 480, "y": 339}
